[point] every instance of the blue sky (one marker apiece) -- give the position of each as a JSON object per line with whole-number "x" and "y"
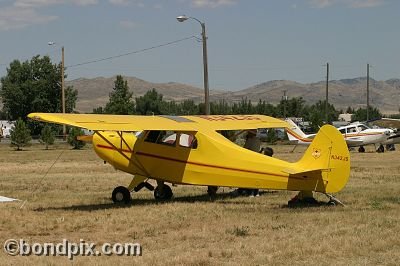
{"x": 249, "y": 42}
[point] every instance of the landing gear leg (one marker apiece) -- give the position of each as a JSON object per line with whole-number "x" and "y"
{"x": 122, "y": 194}
{"x": 333, "y": 200}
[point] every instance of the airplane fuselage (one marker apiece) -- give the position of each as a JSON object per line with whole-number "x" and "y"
{"x": 204, "y": 160}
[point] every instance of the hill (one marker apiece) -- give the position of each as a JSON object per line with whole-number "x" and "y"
{"x": 384, "y": 95}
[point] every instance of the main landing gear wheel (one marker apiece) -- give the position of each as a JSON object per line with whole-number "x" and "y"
{"x": 380, "y": 149}
{"x": 212, "y": 191}
{"x": 163, "y": 192}
{"x": 361, "y": 149}
{"x": 121, "y": 195}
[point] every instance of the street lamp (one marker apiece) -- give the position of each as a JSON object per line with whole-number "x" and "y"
{"x": 62, "y": 85}
{"x": 205, "y": 64}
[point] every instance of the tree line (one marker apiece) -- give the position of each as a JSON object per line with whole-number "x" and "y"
{"x": 121, "y": 101}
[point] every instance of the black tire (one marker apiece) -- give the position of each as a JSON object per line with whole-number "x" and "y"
{"x": 361, "y": 149}
{"x": 121, "y": 195}
{"x": 212, "y": 191}
{"x": 380, "y": 149}
{"x": 390, "y": 147}
{"x": 165, "y": 194}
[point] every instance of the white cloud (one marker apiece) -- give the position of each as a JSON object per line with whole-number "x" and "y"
{"x": 35, "y": 3}
{"x": 23, "y": 13}
{"x": 41, "y": 3}
{"x": 347, "y": 3}
{"x": 212, "y": 3}
{"x": 17, "y": 18}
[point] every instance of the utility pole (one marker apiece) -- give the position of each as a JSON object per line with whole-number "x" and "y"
{"x": 367, "y": 92}
{"x": 205, "y": 69}
{"x": 205, "y": 61}
{"x": 326, "y": 93}
{"x": 284, "y": 98}
{"x": 63, "y": 90}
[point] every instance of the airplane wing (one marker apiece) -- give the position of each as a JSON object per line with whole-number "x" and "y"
{"x": 103, "y": 122}
{"x": 387, "y": 123}
{"x": 354, "y": 142}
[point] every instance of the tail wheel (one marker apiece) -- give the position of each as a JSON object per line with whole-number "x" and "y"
{"x": 121, "y": 195}
{"x": 163, "y": 192}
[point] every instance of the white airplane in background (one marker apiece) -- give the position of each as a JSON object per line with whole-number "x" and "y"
{"x": 394, "y": 137}
{"x": 355, "y": 134}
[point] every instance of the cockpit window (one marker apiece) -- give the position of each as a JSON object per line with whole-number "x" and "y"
{"x": 362, "y": 127}
{"x": 351, "y": 130}
{"x": 152, "y": 136}
{"x": 188, "y": 141}
{"x": 161, "y": 137}
{"x": 170, "y": 138}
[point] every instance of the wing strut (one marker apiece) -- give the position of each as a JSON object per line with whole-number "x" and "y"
{"x": 135, "y": 162}
{"x": 123, "y": 140}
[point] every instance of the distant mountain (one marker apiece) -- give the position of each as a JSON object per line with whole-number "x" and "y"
{"x": 384, "y": 95}
{"x": 95, "y": 92}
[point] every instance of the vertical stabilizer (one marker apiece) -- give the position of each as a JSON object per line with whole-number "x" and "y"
{"x": 325, "y": 166}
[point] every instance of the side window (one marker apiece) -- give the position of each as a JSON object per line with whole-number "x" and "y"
{"x": 188, "y": 141}
{"x": 362, "y": 127}
{"x": 343, "y": 131}
{"x": 161, "y": 137}
{"x": 167, "y": 138}
{"x": 351, "y": 130}
{"x": 152, "y": 136}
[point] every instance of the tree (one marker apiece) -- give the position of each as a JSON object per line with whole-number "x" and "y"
{"x": 72, "y": 140}
{"x": 294, "y": 107}
{"x": 150, "y": 103}
{"x": 71, "y": 96}
{"x": 98, "y": 110}
{"x": 20, "y": 135}
{"x": 34, "y": 86}
{"x": 121, "y": 101}
{"x": 316, "y": 114}
{"x": 47, "y": 136}
{"x": 361, "y": 114}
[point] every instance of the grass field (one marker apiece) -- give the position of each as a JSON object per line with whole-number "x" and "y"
{"x": 65, "y": 194}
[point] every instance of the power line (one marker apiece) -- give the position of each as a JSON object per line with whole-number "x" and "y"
{"x": 129, "y": 53}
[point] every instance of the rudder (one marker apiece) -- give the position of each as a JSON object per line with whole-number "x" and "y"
{"x": 325, "y": 166}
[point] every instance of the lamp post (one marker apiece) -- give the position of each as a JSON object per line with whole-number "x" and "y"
{"x": 205, "y": 64}
{"x": 62, "y": 86}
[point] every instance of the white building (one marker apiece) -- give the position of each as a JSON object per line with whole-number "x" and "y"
{"x": 6, "y": 126}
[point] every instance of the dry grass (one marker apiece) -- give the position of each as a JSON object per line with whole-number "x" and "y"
{"x": 73, "y": 201}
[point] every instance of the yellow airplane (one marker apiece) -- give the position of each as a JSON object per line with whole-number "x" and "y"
{"x": 191, "y": 150}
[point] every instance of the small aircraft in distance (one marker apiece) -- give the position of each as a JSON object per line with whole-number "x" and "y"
{"x": 191, "y": 150}
{"x": 394, "y": 125}
{"x": 355, "y": 134}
